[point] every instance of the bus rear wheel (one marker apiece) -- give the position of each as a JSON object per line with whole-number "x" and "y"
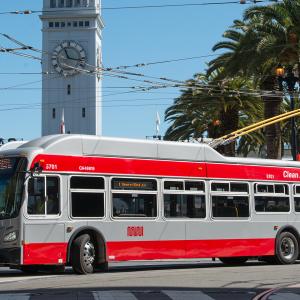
{"x": 234, "y": 261}
{"x": 83, "y": 255}
{"x": 287, "y": 248}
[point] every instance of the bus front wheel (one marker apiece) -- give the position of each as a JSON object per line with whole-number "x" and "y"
{"x": 235, "y": 261}
{"x": 83, "y": 255}
{"x": 287, "y": 248}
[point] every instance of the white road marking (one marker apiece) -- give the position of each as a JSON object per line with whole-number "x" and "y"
{"x": 113, "y": 295}
{"x": 191, "y": 295}
{"x": 23, "y": 278}
{"x": 14, "y": 296}
{"x": 284, "y": 296}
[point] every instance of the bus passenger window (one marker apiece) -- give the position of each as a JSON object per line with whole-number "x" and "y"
{"x": 220, "y": 187}
{"x": 230, "y": 206}
{"x": 52, "y": 195}
{"x": 87, "y": 205}
{"x": 297, "y": 204}
{"x": 36, "y": 196}
{"x": 173, "y": 185}
{"x": 134, "y": 205}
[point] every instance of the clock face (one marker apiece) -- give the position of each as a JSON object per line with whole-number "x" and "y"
{"x": 68, "y": 58}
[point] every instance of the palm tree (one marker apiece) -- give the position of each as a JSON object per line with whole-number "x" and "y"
{"x": 211, "y": 107}
{"x": 242, "y": 58}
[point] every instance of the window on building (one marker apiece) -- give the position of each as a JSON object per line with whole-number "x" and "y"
{"x": 75, "y": 24}
{"x": 80, "y": 23}
{"x": 136, "y": 198}
{"x": 50, "y": 24}
{"x": 52, "y": 3}
{"x": 69, "y": 89}
{"x": 43, "y": 196}
{"x": 87, "y": 23}
{"x": 56, "y": 24}
{"x": 69, "y": 3}
{"x": 85, "y": 3}
{"x": 62, "y": 24}
{"x": 83, "y": 112}
{"x": 53, "y": 113}
{"x": 77, "y": 3}
{"x": 61, "y": 3}
{"x": 69, "y": 24}
{"x": 87, "y": 197}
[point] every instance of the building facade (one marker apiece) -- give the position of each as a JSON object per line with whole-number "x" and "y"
{"x": 71, "y": 63}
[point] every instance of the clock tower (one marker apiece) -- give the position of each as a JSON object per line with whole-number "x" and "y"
{"x": 70, "y": 63}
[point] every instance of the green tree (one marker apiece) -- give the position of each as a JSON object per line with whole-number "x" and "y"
{"x": 212, "y": 107}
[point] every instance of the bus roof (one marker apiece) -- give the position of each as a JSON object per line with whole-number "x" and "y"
{"x": 89, "y": 145}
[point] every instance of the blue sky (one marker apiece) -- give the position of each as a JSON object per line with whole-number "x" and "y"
{"x": 129, "y": 37}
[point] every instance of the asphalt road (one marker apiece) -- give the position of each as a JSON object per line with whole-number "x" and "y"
{"x": 194, "y": 280}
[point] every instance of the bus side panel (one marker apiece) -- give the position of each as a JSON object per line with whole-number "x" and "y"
{"x": 44, "y": 253}
{"x": 150, "y": 250}
{"x": 44, "y": 243}
{"x": 230, "y": 248}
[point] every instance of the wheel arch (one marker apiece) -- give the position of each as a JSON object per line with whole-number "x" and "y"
{"x": 97, "y": 237}
{"x": 291, "y": 229}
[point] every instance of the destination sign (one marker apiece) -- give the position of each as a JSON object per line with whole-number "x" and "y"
{"x": 6, "y": 163}
{"x": 133, "y": 184}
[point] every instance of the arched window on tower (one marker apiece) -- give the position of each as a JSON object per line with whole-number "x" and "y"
{"x": 52, "y": 3}
{"x": 61, "y": 3}
{"x": 86, "y": 3}
{"x": 69, "y": 3}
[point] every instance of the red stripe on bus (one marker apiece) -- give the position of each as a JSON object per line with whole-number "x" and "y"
{"x": 44, "y": 253}
{"x": 55, "y": 253}
{"x": 150, "y": 250}
{"x": 108, "y": 165}
{"x": 151, "y": 167}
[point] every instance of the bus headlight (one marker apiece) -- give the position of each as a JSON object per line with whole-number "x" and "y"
{"x": 12, "y": 236}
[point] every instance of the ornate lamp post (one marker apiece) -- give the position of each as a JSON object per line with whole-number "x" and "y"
{"x": 288, "y": 82}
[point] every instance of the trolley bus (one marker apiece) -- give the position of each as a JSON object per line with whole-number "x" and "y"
{"x": 85, "y": 201}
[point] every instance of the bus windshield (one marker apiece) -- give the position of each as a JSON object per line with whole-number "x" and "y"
{"x": 11, "y": 186}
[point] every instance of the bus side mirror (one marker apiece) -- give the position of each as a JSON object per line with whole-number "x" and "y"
{"x": 37, "y": 168}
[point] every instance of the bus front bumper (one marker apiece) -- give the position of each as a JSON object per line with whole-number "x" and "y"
{"x": 10, "y": 256}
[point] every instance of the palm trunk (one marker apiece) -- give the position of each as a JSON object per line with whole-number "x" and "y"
{"x": 272, "y": 108}
{"x": 229, "y": 123}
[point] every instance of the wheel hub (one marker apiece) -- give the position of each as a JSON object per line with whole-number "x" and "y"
{"x": 89, "y": 253}
{"x": 287, "y": 247}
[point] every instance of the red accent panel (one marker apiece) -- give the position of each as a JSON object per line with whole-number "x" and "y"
{"x": 44, "y": 253}
{"x": 108, "y": 165}
{"x": 149, "y": 250}
{"x": 234, "y": 171}
{"x": 151, "y": 167}
{"x": 144, "y": 250}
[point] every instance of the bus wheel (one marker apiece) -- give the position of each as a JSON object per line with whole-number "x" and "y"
{"x": 83, "y": 255}
{"x": 287, "y": 248}
{"x": 235, "y": 261}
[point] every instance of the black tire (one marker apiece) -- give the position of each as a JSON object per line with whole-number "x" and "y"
{"x": 234, "y": 261}
{"x": 83, "y": 255}
{"x": 287, "y": 248}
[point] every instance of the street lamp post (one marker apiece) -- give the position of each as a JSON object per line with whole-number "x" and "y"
{"x": 290, "y": 80}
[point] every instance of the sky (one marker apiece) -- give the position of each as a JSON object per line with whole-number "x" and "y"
{"x": 130, "y": 37}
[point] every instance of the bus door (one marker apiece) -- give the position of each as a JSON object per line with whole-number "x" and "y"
{"x": 44, "y": 233}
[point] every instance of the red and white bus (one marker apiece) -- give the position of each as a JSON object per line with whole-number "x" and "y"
{"x": 86, "y": 201}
